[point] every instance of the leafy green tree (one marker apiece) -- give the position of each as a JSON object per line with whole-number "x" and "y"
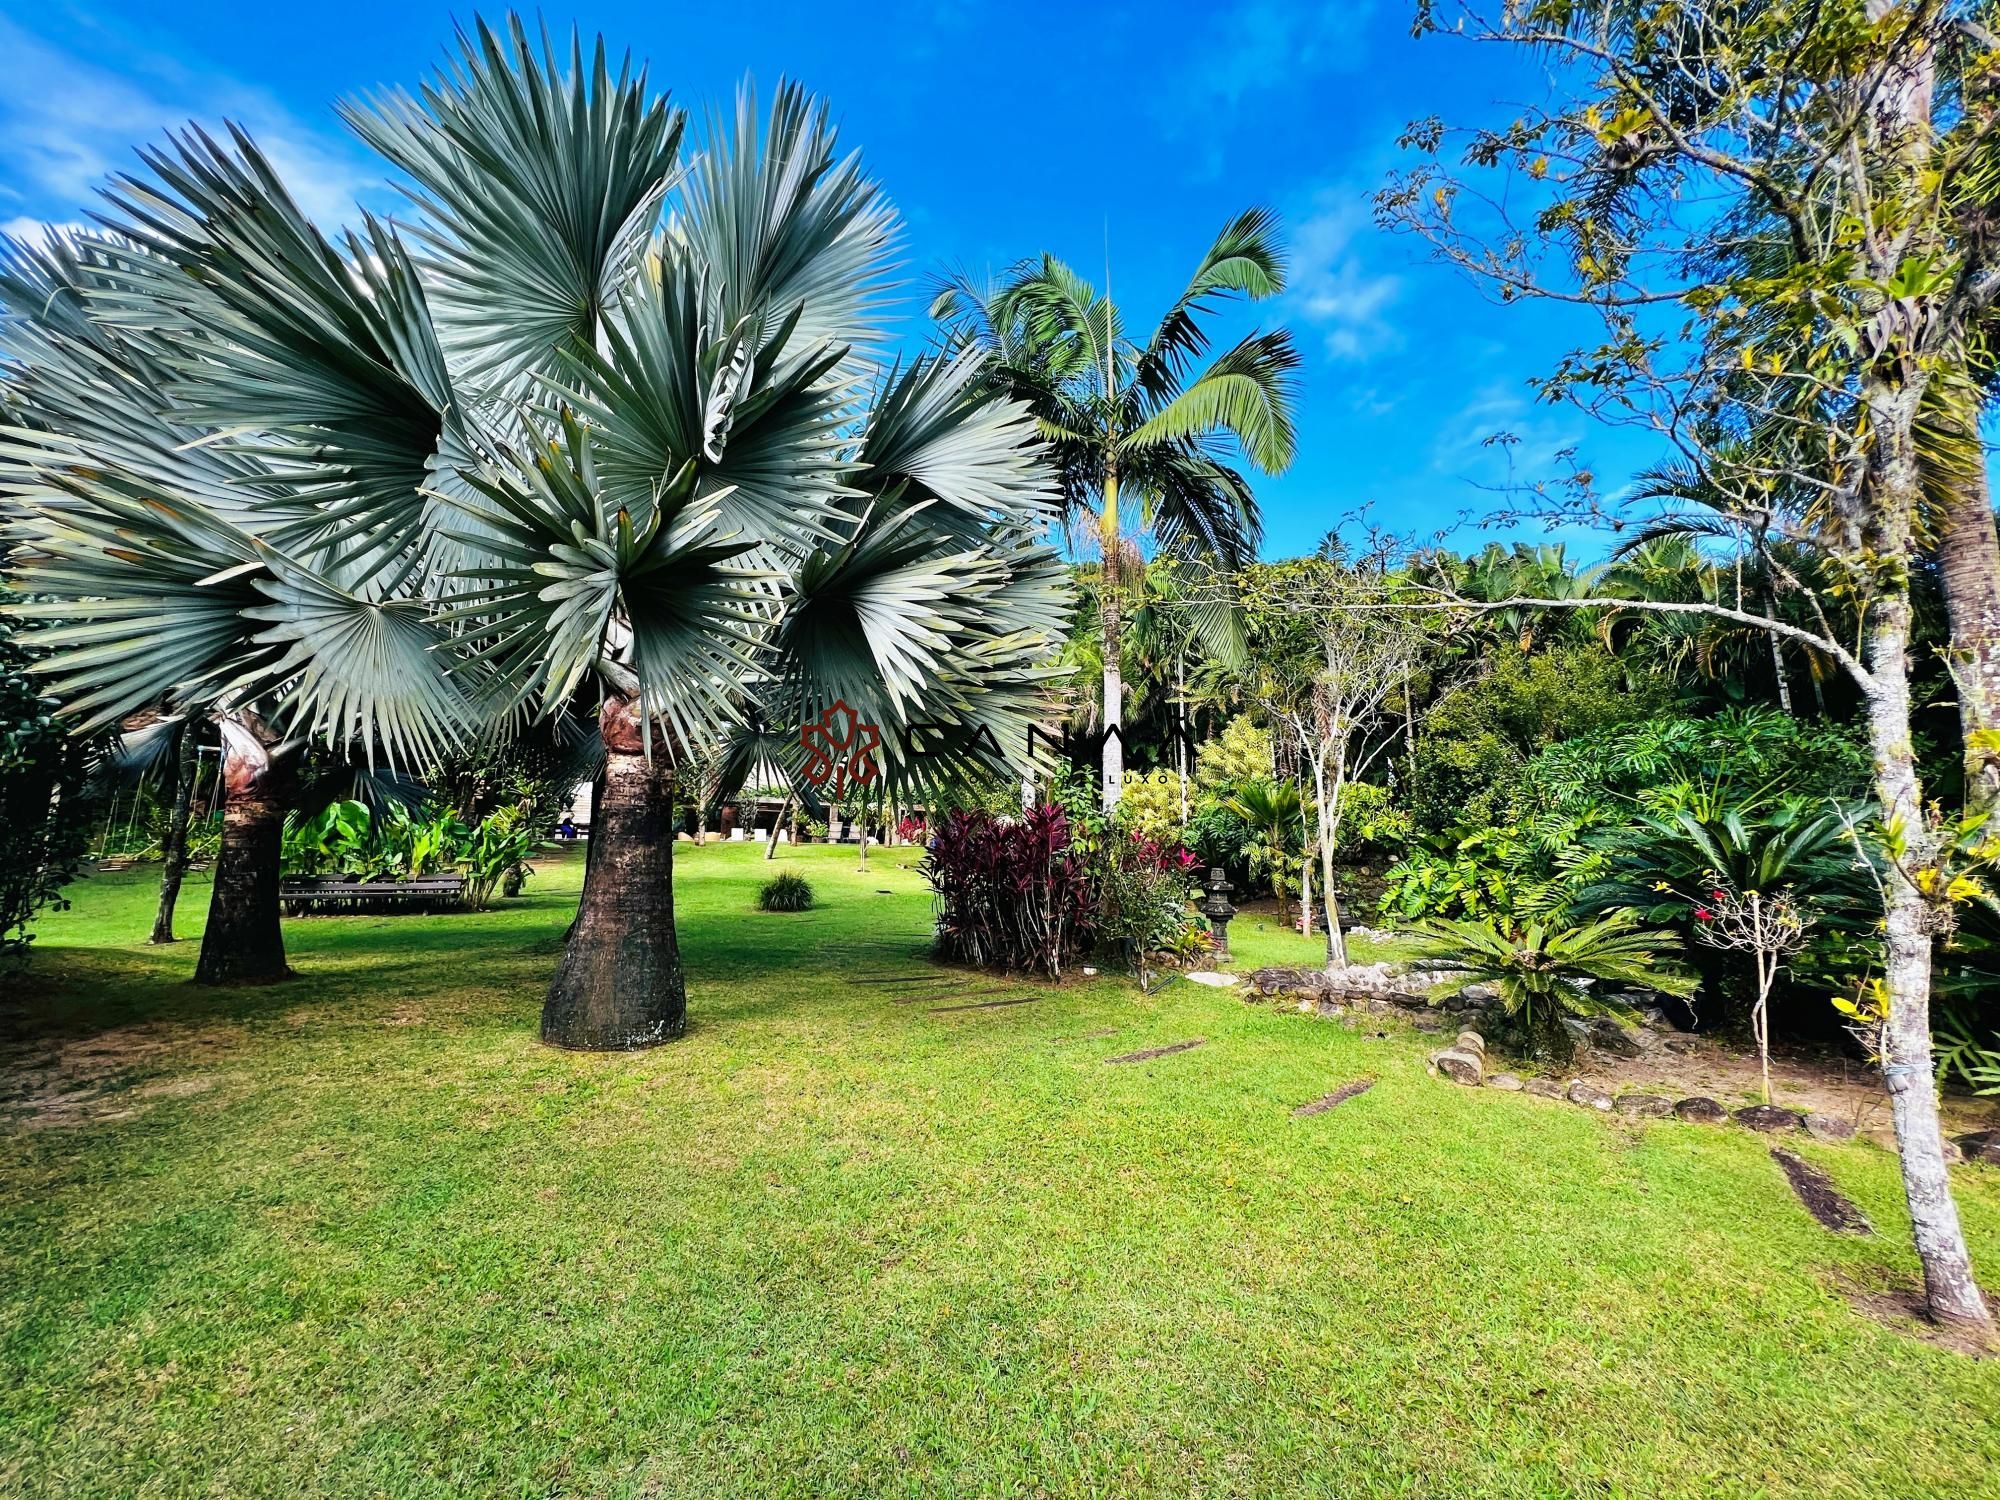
{"x": 45, "y": 797}
{"x": 1478, "y": 737}
{"x": 1772, "y": 209}
{"x": 1141, "y": 433}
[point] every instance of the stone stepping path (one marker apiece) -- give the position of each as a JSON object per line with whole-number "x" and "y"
{"x": 938, "y": 1010}
{"x": 1822, "y": 1199}
{"x": 1152, "y": 1052}
{"x": 1340, "y": 1095}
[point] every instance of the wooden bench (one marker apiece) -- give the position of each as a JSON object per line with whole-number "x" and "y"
{"x": 425, "y": 893}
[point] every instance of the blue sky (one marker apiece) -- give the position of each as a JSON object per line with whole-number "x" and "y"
{"x": 999, "y": 130}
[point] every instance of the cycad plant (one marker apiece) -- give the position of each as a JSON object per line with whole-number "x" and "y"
{"x": 1275, "y": 814}
{"x": 1545, "y": 972}
{"x": 606, "y": 434}
{"x": 1145, "y": 438}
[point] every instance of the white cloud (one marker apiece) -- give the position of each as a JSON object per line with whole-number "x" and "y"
{"x": 1255, "y": 45}
{"x": 32, "y": 231}
{"x": 1333, "y": 288}
{"x": 1501, "y": 437}
{"x": 67, "y": 123}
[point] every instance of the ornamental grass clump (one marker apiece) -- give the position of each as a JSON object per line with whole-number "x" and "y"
{"x": 787, "y": 892}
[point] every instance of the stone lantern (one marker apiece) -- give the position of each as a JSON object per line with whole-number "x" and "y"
{"x": 1218, "y": 911}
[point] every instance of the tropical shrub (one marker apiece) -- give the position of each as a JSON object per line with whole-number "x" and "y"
{"x": 1142, "y": 887}
{"x": 1274, "y": 814}
{"x": 47, "y": 807}
{"x": 1010, "y": 893}
{"x": 337, "y": 840}
{"x": 1547, "y": 972}
{"x": 1370, "y": 822}
{"x": 1664, "y": 763}
{"x": 786, "y": 892}
{"x": 496, "y": 854}
{"x": 1242, "y": 752}
{"x": 1516, "y": 870}
{"x": 1217, "y": 834}
{"x": 1150, "y": 804}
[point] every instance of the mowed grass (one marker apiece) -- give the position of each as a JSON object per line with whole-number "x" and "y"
{"x": 361, "y": 1234}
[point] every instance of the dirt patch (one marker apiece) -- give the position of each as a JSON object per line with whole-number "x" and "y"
{"x": 1152, "y": 1052}
{"x": 1340, "y": 1095}
{"x": 1803, "y": 1079}
{"x": 1900, "y": 1307}
{"x": 85, "y": 1080}
{"x": 1822, "y": 1199}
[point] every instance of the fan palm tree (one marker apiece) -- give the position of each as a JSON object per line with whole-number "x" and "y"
{"x": 197, "y": 577}
{"x": 1142, "y": 436}
{"x": 609, "y": 438}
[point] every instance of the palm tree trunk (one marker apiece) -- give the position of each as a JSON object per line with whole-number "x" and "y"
{"x": 620, "y": 985}
{"x": 1114, "y": 641}
{"x": 187, "y": 756}
{"x": 1968, "y": 557}
{"x": 244, "y": 942}
{"x": 777, "y": 822}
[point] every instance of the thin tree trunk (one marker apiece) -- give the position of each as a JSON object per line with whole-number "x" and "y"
{"x": 1777, "y": 654}
{"x": 1968, "y": 556}
{"x": 244, "y": 942}
{"x": 1907, "y": 1067}
{"x": 1891, "y": 391}
{"x": 1953, "y": 1297}
{"x": 1114, "y": 642}
{"x": 1336, "y": 941}
{"x": 777, "y": 822}
{"x": 1181, "y": 732}
{"x": 173, "y": 867}
{"x": 620, "y": 985}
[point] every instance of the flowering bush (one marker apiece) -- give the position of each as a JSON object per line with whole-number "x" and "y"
{"x": 1142, "y": 886}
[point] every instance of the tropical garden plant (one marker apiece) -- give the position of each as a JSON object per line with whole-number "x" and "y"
{"x": 1274, "y": 813}
{"x": 1546, "y": 973}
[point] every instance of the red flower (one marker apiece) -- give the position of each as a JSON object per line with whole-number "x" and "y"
{"x": 1718, "y": 895}
{"x": 1703, "y": 914}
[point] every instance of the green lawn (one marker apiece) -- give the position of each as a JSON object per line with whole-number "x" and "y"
{"x": 361, "y": 1234}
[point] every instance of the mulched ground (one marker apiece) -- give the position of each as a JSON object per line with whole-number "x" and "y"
{"x": 1822, "y": 1199}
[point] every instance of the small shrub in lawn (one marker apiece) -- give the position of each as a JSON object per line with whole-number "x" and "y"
{"x": 786, "y": 893}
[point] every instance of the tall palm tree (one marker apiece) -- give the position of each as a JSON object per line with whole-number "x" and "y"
{"x": 608, "y": 440}
{"x": 1143, "y": 437}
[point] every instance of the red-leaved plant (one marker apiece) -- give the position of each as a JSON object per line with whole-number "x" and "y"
{"x": 1011, "y": 893}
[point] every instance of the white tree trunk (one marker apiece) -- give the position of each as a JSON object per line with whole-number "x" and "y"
{"x": 1329, "y": 832}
